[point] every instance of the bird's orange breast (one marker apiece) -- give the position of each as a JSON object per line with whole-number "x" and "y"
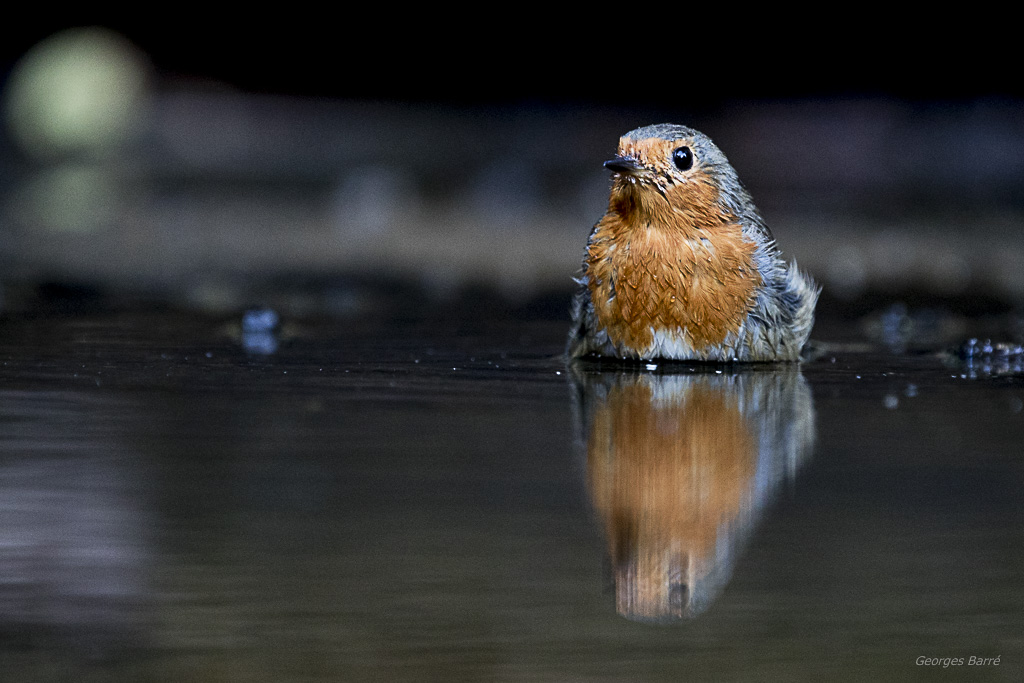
{"x": 653, "y": 268}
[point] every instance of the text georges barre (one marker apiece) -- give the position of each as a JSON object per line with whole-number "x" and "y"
{"x": 945, "y": 662}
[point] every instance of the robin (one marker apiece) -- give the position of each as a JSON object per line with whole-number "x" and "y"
{"x": 680, "y": 469}
{"x": 682, "y": 266}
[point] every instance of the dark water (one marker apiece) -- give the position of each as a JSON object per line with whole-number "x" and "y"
{"x": 431, "y": 503}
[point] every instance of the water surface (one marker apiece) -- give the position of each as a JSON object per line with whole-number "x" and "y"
{"x": 409, "y": 502}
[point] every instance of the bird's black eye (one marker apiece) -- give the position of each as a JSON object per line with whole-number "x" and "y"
{"x": 683, "y": 158}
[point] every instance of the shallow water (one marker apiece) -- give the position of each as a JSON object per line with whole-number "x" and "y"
{"x": 344, "y": 502}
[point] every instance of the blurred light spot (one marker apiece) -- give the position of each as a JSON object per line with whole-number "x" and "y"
{"x": 81, "y": 90}
{"x": 891, "y": 401}
{"x": 260, "y": 343}
{"x": 896, "y": 326}
{"x": 259, "y": 331}
{"x": 260, "y": 320}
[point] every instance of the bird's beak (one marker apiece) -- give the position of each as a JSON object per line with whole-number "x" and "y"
{"x": 627, "y": 165}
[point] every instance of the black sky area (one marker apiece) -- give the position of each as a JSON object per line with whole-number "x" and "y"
{"x": 596, "y": 60}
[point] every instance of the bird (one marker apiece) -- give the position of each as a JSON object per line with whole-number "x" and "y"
{"x": 682, "y": 266}
{"x": 680, "y": 468}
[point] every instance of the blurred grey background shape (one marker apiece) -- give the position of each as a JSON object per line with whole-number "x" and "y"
{"x": 121, "y": 174}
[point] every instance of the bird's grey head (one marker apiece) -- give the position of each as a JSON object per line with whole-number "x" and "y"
{"x": 680, "y": 153}
{"x": 706, "y": 155}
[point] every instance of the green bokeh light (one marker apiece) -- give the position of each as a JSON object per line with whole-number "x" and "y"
{"x": 81, "y": 90}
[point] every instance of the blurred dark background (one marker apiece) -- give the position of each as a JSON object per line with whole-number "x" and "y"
{"x": 355, "y": 163}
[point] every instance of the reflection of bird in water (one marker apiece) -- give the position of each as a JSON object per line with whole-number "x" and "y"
{"x": 682, "y": 266}
{"x": 680, "y": 469}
